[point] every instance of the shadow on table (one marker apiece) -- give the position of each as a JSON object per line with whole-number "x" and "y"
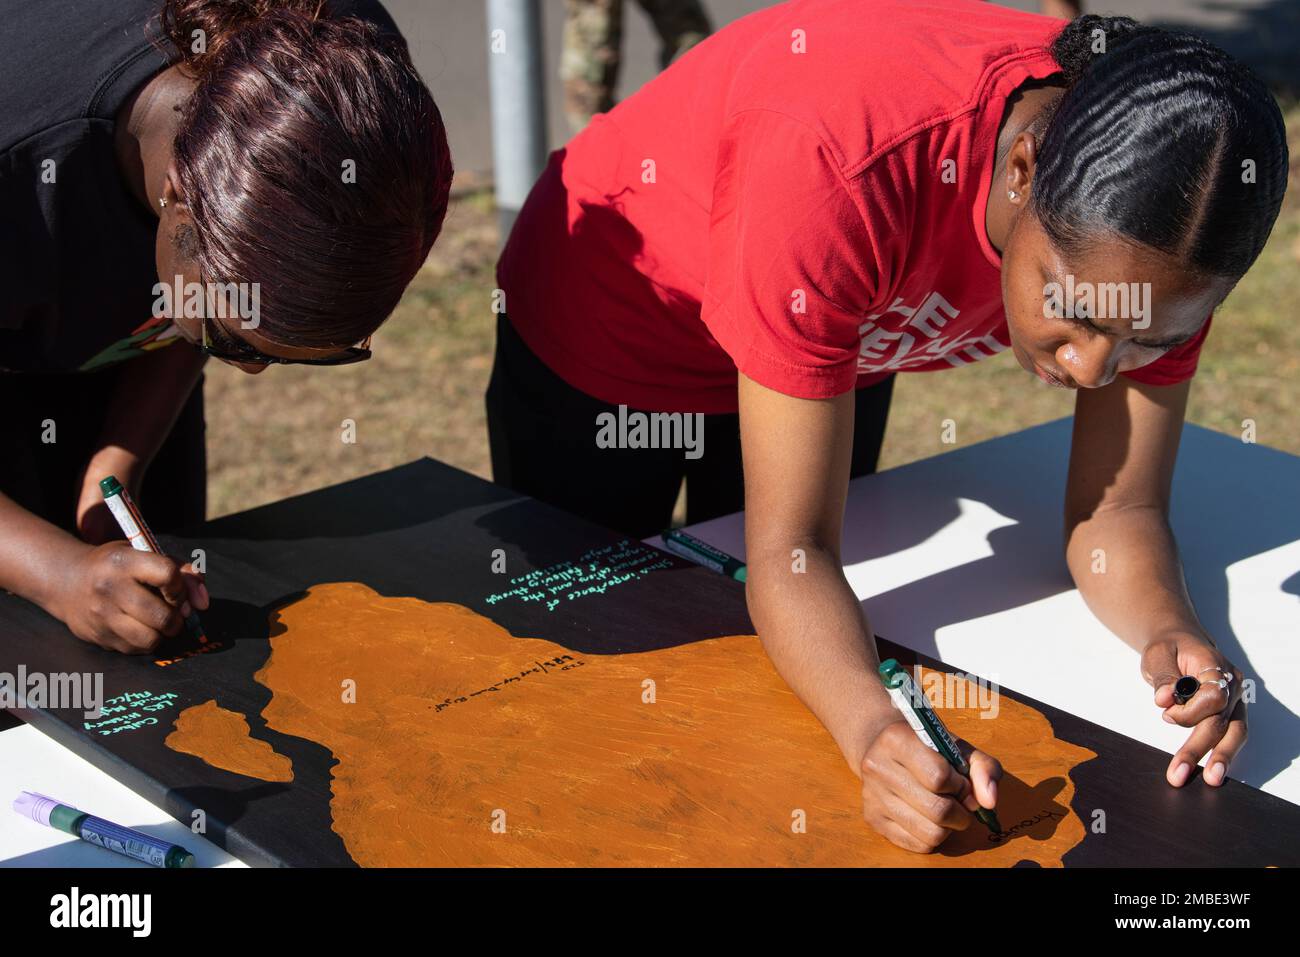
{"x": 1216, "y": 487}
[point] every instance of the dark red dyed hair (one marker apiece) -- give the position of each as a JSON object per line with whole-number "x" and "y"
{"x": 286, "y": 94}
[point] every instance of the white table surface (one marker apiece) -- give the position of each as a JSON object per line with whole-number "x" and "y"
{"x": 957, "y": 556}
{"x": 29, "y": 761}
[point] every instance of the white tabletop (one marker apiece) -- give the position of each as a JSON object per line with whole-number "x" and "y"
{"x": 29, "y": 761}
{"x": 959, "y": 556}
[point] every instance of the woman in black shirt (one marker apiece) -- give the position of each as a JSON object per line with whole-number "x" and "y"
{"x": 255, "y": 180}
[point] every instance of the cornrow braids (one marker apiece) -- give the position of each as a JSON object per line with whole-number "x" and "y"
{"x": 1162, "y": 139}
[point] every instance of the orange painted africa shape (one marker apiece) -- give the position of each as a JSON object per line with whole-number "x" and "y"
{"x": 467, "y": 745}
{"x": 220, "y": 737}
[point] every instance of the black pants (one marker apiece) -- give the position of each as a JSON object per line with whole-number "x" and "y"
{"x": 43, "y": 477}
{"x": 542, "y": 433}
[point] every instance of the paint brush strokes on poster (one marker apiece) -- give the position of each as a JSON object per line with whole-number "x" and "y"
{"x": 380, "y": 695}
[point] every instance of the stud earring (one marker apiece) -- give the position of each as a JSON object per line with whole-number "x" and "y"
{"x": 1011, "y": 195}
{"x": 163, "y": 202}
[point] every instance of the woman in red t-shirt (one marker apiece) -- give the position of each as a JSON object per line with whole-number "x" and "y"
{"x": 825, "y": 194}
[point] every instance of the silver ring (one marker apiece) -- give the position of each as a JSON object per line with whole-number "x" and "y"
{"x": 1222, "y": 682}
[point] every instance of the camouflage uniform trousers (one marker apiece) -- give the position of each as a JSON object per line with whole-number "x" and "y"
{"x": 593, "y": 38}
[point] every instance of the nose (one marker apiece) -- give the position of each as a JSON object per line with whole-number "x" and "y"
{"x": 1091, "y": 363}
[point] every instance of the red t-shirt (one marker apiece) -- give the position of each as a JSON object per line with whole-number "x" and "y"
{"x": 800, "y": 197}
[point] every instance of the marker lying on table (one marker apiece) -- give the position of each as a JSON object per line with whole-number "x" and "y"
{"x": 934, "y": 735}
{"x": 95, "y": 830}
{"x": 137, "y": 532}
{"x": 702, "y": 553}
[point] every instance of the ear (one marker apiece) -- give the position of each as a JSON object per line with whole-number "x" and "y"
{"x": 1022, "y": 159}
{"x": 172, "y": 191}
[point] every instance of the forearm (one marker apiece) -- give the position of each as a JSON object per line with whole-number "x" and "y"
{"x": 814, "y": 631}
{"x": 144, "y": 406}
{"x": 33, "y": 555}
{"x": 1125, "y": 564}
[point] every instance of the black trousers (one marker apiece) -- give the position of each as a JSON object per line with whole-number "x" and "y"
{"x": 542, "y": 433}
{"x": 42, "y": 477}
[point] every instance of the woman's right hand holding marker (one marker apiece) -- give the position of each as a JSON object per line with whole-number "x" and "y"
{"x": 109, "y": 595}
{"x": 126, "y": 600}
{"x": 914, "y": 797}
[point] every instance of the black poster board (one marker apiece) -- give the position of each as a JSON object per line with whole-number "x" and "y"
{"x": 431, "y": 532}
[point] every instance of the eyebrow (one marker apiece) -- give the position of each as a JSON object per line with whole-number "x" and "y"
{"x": 1169, "y": 342}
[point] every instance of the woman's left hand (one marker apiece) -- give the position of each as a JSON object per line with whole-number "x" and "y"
{"x": 95, "y": 523}
{"x": 1217, "y": 714}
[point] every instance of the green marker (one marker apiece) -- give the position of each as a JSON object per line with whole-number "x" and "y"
{"x": 916, "y": 709}
{"x": 137, "y": 532}
{"x": 702, "y": 553}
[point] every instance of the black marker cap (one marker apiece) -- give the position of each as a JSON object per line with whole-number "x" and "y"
{"x": 1185, "y": 688}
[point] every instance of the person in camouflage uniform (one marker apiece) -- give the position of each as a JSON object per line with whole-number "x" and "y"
{"x": 593, "y": 39}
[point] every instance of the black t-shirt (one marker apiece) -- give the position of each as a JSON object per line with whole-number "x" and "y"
{"x": 77, "y": 268}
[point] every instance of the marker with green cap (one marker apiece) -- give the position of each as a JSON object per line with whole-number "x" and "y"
{"x": 934, "y": 735}
{"x": 137, "y": 532}
{"x": 126, "y": 841}
{"x": 702, "y": 553}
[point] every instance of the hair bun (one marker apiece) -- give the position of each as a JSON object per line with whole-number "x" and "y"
{"x": 1076, "y": 46}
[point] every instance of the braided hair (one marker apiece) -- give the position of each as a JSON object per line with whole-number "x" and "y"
{"x": 1162, "y": 139}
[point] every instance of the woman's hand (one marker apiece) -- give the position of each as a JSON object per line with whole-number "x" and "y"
{"x": 797, "y": 459}
{"x": 1217, "y": 714}
{"x": 914, "y": 797}
{"x": 126, "y": 600}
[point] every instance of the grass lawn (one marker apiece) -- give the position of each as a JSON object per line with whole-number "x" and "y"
{"x": 280, "y": 433}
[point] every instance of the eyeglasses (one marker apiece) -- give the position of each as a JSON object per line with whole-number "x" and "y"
{"x": 243, "y": 352}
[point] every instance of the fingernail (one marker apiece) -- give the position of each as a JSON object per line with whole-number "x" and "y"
{"x": 1168, "y": 720}
{"x": 1217, "y": 773}
{"x": 1181, "y": 774}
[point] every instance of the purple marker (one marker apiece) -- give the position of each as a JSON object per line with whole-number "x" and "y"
{"x": 124, "y": 840}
